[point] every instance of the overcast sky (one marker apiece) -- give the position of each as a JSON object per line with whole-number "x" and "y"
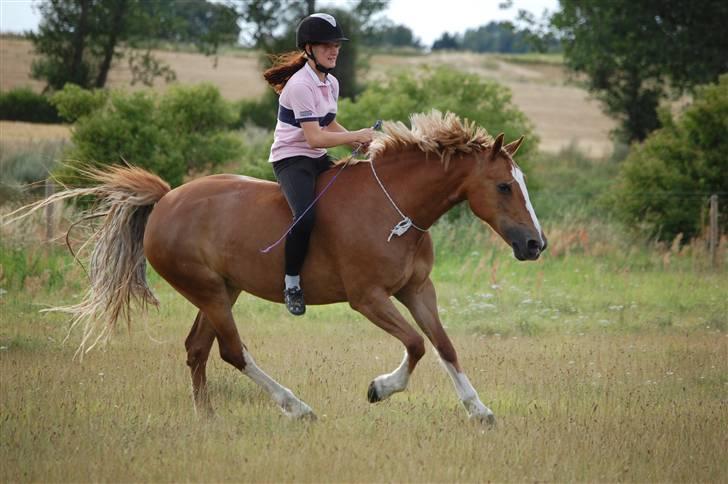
{"x": 428, "y": 19}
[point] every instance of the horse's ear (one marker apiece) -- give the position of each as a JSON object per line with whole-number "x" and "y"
{"x": 513, "y": 146}
{"x": 497, "y": 146}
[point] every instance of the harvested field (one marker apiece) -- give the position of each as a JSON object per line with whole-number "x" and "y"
{"x": 562, "y": 113}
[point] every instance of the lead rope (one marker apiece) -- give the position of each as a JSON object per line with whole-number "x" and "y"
{"x": 403, "y": 225}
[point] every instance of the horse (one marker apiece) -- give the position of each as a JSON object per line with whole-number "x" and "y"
{"x": 370, "y": 243}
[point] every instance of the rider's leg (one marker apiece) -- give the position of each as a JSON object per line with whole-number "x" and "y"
{"x": 297, "y": 178}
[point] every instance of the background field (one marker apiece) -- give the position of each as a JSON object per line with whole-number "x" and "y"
{"x": 562, "y": 113}
{"x": 599, "y": 367}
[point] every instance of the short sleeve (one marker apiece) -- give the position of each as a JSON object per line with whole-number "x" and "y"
{"x": 303, "y": 102}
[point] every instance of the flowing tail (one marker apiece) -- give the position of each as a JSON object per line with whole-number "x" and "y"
{"x": 117, "y": 268}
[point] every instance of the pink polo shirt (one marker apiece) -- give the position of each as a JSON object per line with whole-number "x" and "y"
{"x": 304, "y": 98}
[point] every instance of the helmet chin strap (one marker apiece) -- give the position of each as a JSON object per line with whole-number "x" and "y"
{"x": 323, "y": 70}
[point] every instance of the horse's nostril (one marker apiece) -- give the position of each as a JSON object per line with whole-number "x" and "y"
{"x": 534, "y": 245}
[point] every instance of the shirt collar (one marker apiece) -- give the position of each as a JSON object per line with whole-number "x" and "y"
{"x": 315, "y": 76}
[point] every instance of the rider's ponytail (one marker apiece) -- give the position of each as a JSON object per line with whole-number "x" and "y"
{"x": 284, "y": 66}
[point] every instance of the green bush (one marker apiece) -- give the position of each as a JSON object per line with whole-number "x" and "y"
{"x": 665, "y": 182}
{"x": 487, "y": 103}
{"x": 262, "y": 112}
{"x": 73, "y": 101}
{"x": 183, "y": 132}
{"x": 22, "y": 104}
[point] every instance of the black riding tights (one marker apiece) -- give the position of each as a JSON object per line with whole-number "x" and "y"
{"x": 297, "y": 178}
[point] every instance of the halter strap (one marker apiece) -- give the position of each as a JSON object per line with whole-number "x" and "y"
{"x": 403, "y": 225}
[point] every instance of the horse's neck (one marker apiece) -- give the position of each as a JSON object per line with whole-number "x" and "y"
{"x": 422, "y": 188}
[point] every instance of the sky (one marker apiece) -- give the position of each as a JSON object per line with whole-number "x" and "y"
{"x": 428, "y": 19}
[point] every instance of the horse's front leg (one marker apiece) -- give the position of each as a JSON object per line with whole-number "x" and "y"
{"x": 379, "y": 309}
{"x": 421, "y": 301}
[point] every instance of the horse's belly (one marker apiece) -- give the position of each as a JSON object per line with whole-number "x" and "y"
{"x": 218, "y": 227}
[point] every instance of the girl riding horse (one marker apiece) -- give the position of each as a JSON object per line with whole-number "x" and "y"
{"x": 306, "y": 125}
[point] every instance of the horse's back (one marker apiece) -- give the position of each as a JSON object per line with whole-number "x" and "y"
{"x": 218, "y": 224}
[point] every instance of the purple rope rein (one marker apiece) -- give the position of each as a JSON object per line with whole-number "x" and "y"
{"x": 376, "y": 126}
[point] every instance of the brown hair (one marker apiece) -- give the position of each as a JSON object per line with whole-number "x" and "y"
{"x": 284, "y": 66}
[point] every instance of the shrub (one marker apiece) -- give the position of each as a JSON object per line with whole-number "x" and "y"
{"x": 183, "y": 132}
{"x": 665, "y": 182}
{"x": 73, "y": 101}
{"x": 22, "y": 104}
{"x": 255, "y": 151}
{"x": 487, "y": 103}
{"x": 260, "y": 112}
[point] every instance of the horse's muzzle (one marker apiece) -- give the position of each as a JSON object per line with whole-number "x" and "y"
{"x": 528, "y": 248}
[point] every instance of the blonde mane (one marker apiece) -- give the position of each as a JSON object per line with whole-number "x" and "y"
{"x": 443, "y": 135}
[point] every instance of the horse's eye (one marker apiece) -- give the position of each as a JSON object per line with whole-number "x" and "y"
{"x": 504, "y": 187}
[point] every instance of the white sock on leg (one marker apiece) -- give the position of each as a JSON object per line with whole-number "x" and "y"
{"x": 292, "y": 281}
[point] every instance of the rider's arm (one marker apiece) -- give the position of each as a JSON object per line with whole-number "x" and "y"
{"x": 336, "y": 127}
{"x": 328, "y": 138}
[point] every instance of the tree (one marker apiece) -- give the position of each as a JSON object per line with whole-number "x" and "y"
{"x": 271, "y": 27}
{"x": 495, "y": 37}
{"x": 78, "y": 40}
{"x": 665, "y": 182}
{"x": 447, "y": 42}
{"x": 387, "y": 34}
{"x": 634, "y": 53}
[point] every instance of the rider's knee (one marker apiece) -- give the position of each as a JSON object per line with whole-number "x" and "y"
{"x": 306, "y": 222}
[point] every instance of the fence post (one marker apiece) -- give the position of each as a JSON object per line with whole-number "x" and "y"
{"x": 714, "y": 233}
{"x": 50, "y": 189}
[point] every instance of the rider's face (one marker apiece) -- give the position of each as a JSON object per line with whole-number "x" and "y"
{"x": 326, "y": 53}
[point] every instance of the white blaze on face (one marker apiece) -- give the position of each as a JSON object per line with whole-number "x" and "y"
{"x": 518, "y": 176}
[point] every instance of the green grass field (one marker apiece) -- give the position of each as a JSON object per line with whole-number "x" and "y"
{"x": 600, "y": 364}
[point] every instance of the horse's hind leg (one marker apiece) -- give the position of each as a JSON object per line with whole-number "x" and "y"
{"x": 198, "y": 345}
{"x": 421, "y": 301}
{"x": 380, "y": 310}
{"x": 233, "y": 351}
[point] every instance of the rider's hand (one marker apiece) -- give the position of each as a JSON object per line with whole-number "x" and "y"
{"x": 364, "y": 136}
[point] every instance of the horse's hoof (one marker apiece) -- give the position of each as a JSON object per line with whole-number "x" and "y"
{"x": 305, "y": 415}
{"x": 205, "y": 412}
{"x": 298, "y": 410}
{"x": 485, "y": 419}
{"x": 308, "y": 417}
{"x": 372, "y": 394}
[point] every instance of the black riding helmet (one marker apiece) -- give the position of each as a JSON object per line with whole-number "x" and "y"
{"x": 318, "y": 28}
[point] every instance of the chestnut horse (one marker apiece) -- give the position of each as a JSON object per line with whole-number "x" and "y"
{"x": 205, "y": 238}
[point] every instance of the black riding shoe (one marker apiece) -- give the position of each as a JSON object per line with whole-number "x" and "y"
{"x": 294, "y": 301}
